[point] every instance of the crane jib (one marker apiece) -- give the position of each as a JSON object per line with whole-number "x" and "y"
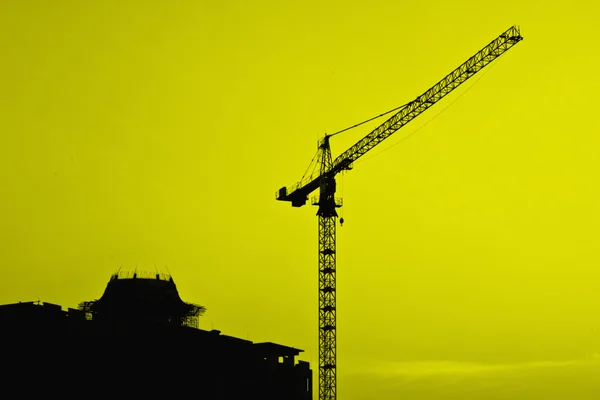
{"x": 298, "y": 193}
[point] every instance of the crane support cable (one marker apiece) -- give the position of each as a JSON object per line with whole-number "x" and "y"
{"x": 298, "y": 194}
{"x": 450, "y": 82}
{"x": 369, "y": 120}
{"x": 347, "y": 129}
{"x": 311, "y": 164}
{"x": 432, "y": 118}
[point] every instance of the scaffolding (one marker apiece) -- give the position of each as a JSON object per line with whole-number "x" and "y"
{"x": 139, "y": 296}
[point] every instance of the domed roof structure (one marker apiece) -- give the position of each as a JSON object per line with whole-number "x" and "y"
{"x": 143, "y": 297}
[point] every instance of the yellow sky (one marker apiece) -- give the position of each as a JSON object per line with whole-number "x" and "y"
{"x": 143, "y": 133}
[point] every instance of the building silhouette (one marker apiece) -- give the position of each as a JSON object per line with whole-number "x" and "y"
{"x": 141, "y": 340}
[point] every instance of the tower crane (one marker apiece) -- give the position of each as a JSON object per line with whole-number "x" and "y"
{"x": 327, "y": 203}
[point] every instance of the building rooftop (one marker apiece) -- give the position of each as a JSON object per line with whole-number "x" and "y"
{"x": 23, "y": 315}
{"x": 277, "y": 350}
{"x": 142, "y": 357}
{"x": 143, "y": 296}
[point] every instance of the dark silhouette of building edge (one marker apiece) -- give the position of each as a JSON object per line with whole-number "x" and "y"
{"x": 140, "y": 339}
{"x": 140, "y": 297}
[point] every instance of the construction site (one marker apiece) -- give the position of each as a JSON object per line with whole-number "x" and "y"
{"x": 141, "y": 338}
{"x": 140, "y": 330}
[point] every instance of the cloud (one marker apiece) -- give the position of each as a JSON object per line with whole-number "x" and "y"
{"x": 425, "y": 369}
{"x": 450, "y": 380}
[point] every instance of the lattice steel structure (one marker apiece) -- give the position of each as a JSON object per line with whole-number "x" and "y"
{"x": 327, "y": 202}
{"x": 142, "y": 297}
{"x": 327, "y": 312}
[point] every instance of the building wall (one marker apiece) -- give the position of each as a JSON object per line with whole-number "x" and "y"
{"x": 135, "y": 359}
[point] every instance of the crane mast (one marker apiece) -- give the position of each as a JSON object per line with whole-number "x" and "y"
{"x": 327, "y": 202}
